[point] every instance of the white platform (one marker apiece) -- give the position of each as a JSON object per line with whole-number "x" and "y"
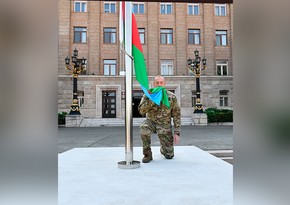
{"x": 90, "y": 176}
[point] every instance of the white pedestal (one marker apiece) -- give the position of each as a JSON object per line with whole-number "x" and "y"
{"x": 199, "y": 119}
{"x": 90, "y": 176}
{"x": 73, "y": 120}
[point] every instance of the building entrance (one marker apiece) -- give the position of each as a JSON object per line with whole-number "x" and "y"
{"x": 109, "y": 104}
{"x": 137, "y": 95}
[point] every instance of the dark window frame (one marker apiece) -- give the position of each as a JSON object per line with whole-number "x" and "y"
{"x": 167, "y": 63}
{"x": 192, "y": 36}
{"x": 219, "y": 37}
{"x": 165, "y": 10}
{"x": 80, "y": 32}
{"x": 222, "y": 67}
{"x": 110, "y": 66}
{"x": 110, "y": 35}
{"x": 138, "y": 6}
{"x": 218, "y": 9}
{"x": 193, "y": 10}
{"x": 224, "y": 98}
{"x": 110, "y": 7}
{"x": 142, "y": 35}
{"x": 166, "y": 35}
{"x": 82, "y": 6}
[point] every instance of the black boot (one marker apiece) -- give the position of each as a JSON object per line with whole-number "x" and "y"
{"x": 166, "y": 155}
{"x": 147, "y": 158}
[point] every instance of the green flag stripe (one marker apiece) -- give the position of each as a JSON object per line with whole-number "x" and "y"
{"x": 140, "y": 67}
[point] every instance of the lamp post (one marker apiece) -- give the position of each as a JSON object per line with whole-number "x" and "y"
{"x": 76, "y": 66}
{"x": 196, "y": 67}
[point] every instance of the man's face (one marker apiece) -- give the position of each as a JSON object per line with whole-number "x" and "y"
{"x": 159, "y": 81}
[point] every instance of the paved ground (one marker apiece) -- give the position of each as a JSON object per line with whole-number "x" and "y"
{"x": 207, "y": 138}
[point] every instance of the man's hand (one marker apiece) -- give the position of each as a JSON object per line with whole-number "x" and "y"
{"x": 176, "y": 139}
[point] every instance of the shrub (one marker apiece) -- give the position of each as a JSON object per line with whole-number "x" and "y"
{"x": 61, "y": 118}
{"x": 219, "y": 115}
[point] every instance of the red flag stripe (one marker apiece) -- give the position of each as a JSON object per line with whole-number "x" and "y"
{"x": 135, "y": 34}
{"x": 123, "y": 10}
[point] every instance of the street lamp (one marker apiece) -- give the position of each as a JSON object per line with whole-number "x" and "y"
{"x": 195, "y": 67}
{"x": 77, "y": 66}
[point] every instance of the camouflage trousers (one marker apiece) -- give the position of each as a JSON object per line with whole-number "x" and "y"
{"x": 164, "y": 134}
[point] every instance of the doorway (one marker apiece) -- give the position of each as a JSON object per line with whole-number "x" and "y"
{"x": 137, "y": 96}
{"x": 109, "y": 104}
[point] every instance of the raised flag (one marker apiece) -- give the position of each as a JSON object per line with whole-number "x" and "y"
{"x": 137, "y": 52}
{"x": 158, "y": 94}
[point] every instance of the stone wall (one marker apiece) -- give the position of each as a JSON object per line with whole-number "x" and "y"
{"x": 182, "y": 85}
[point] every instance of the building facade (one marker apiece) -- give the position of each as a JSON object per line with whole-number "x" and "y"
{"x": 169, "y": 33}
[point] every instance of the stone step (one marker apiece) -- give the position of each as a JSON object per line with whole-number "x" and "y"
{"x": 226, "y": 155}
{"x": 98, "y": 122}
{"x": 229, "y": 160}
{"x": 221, "y": 153}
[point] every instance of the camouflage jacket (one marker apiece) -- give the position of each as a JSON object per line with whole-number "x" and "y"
{"x": 162, "y": 115}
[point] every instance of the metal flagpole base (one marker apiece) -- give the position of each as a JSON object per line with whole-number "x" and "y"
{"x": 132, "y": 165}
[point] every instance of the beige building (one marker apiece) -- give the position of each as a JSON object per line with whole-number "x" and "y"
{"x": 169, "y": 32}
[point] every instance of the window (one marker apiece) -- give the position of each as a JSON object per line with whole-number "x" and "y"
{"x": 221, "y": 38}
{"x": 110, "y": 35}
{"x": 165, "y": 8}
{"x": 166, "y": 36}
{"x": 138, "y": 8}
{"x": 109, "y": 104}
{"x": 224, "y": 99}
{"x": 220, "y": 10}
{"x": 193, "y": 98}
{"x": 142, "y": 35}
{"x": 193, "y": 9}
{"x": 222, "y": 67}
{"x": 81, "y": 98}
{"x": 167, "y": 67}
{"x": 80, "y": 34}
{"x": 193, "y": 36}
{"x": 110, "y": 7}
{"x": 80, "y": 6}
{"x": 110, "y": 67}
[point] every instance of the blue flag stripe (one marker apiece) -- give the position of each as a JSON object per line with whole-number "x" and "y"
{"x": 155, "y": 97}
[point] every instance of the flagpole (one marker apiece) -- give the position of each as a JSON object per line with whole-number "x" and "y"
{"x": 129, "y": 163}
{"x": 121, "y": 38}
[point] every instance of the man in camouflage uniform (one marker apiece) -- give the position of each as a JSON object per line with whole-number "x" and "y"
{"x": 158, "y": 121}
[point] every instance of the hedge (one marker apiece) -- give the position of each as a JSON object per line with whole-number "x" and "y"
{"x": 219, "y": 115}
{"x": 61, "y": 118}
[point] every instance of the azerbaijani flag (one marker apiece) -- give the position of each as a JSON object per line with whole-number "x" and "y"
{"x": 137, "y": 52}
{"x": 157, "y": 95}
